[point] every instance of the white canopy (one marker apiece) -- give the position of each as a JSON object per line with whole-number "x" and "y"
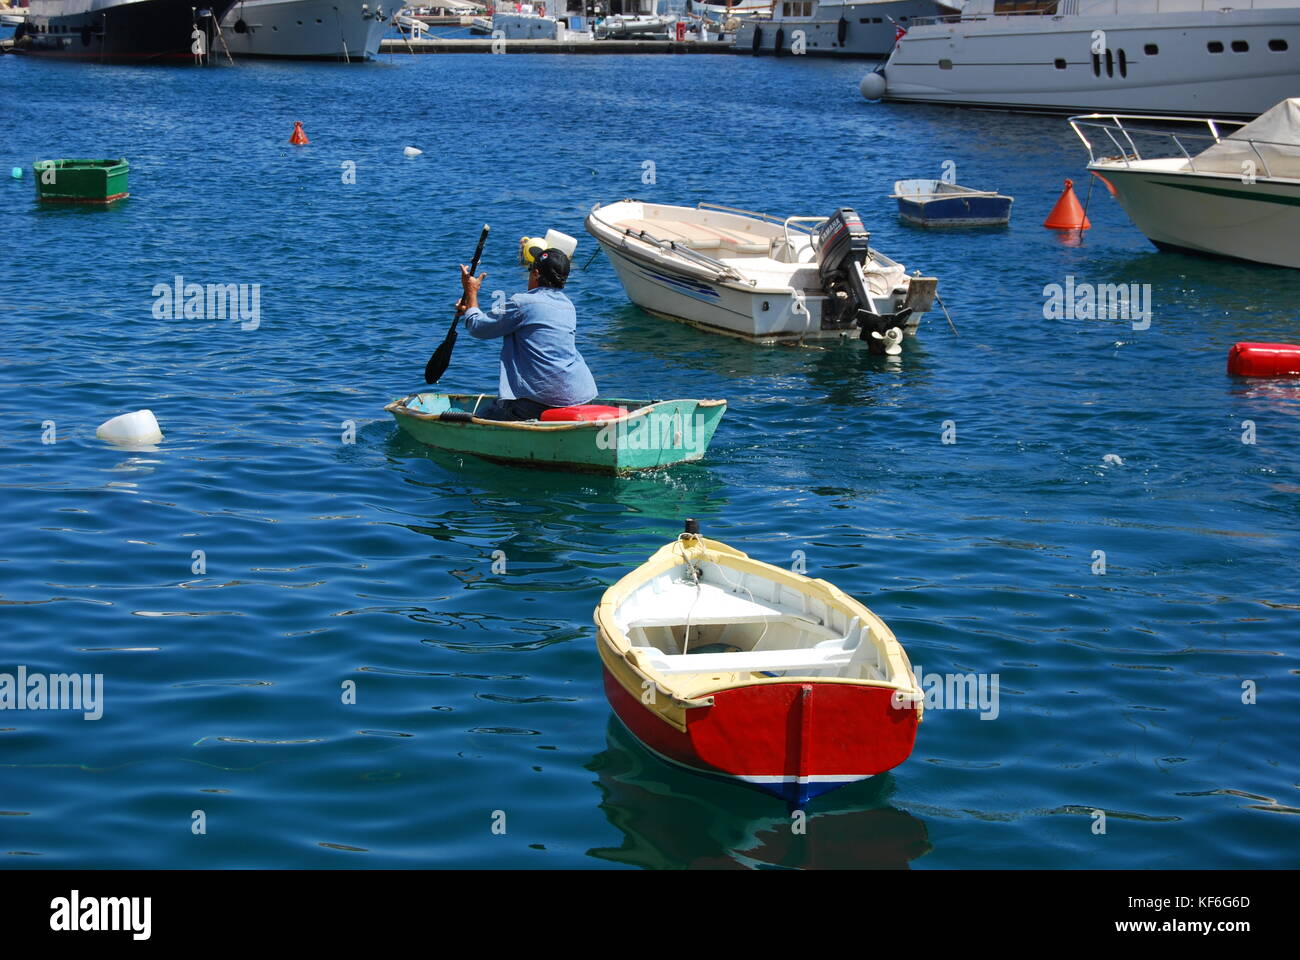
{"x": 1273, "y": 137}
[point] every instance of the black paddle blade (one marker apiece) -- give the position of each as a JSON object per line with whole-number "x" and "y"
{"x": 438, "y": 363}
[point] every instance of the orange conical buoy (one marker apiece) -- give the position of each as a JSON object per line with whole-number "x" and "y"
{"x": 1067, "y": 214}
{"x": 298, "y": 137}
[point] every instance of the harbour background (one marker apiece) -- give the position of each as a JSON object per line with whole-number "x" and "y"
{"x": 480, "y": 691}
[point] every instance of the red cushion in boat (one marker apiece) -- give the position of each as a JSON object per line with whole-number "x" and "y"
{"x": 584, "y": 411}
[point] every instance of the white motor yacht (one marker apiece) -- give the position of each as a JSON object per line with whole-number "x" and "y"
{"x": 1218, "y": 58}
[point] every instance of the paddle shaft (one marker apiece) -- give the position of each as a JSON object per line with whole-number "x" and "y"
{"x": 441, "y": 357}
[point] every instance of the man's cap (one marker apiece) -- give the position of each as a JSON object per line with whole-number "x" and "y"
{"x": 551, "y": 263}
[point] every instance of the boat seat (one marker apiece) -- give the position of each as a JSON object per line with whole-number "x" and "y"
{"x": 737, "y": 241}
{"x": 713, "y": 605}
{"x": 829, "y": 654}
{"x": 698, "y": 236}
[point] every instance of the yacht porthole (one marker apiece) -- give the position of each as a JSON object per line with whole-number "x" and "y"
{"x": 1277, "y": 46}
{"x": 1214, "y": 46}
{"x": 1240, "y": 46}
{"x": 1151, "y": 50}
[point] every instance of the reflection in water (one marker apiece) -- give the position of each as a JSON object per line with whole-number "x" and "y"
{"x": 847, "y": 374}
{"x": 689, "y": 489}
{"x": 671, "y": 818}
{"x": 632, "y": 330}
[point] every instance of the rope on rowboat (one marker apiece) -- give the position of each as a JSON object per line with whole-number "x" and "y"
{"x": 723, "y": 570}
{"x": 686, "y": 635}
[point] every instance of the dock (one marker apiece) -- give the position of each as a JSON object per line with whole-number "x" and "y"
{"x": 485, "y": 45}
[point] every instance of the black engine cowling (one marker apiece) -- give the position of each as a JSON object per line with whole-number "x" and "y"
{"x": 843, "y": 247}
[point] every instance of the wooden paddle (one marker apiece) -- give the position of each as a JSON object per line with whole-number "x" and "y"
{"x": 437, "y": 365}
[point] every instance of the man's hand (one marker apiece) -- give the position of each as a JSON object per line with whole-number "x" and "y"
{"x": 470, "y": 284}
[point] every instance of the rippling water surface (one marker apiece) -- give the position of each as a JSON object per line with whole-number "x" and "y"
{"x": 371, "y": 562}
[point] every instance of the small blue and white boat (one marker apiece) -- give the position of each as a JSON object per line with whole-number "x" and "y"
{"x": 936, "y": 203}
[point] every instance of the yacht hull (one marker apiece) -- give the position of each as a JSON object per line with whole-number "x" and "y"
{"x": 1150, "y": 63}
{"x": 139, "y": 32}
{"x": 864, "y": 30}
{"x": 304, "y": 29}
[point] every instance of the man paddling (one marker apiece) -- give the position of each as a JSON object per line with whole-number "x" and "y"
{"x": 541, "y": 367}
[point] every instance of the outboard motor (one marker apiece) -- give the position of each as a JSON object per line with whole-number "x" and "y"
{"x": 842, "y": 250}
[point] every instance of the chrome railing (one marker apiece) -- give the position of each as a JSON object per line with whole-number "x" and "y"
{"x": 1124, "y": 138}
{"x": 779, "y": 221}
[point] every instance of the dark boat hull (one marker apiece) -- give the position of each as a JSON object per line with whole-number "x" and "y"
{"x": 147, "y": 31}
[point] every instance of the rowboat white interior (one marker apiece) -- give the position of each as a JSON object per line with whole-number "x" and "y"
{"x": 715, "y": 619}
{"x": 923, "y": 190}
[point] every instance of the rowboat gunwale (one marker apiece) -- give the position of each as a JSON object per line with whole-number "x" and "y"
{"x": 636, "y": 408}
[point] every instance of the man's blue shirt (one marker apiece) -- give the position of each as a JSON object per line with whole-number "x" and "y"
{"x": 539, "y": 355}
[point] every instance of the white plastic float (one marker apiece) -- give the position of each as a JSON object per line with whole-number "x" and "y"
{"x": 141, "y": 426}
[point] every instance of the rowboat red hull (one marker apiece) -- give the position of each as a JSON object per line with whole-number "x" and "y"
{"x": 795, "y": 740}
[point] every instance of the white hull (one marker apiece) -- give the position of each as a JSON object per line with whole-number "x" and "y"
{"x": 754, "y": 296}
{"x": 628, "y": 28}
{"x": 1207, "y": 185}
{"x": 1211, "y": 214}
{"x": 1150, "y": 62}
{"x": 305, "y": 29}
{"x": 866, "y": 27}
{"x": 529, "y": 26}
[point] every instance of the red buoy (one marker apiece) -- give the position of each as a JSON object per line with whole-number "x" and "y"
{"x": 1264, "y": 360}
{"x": 298, "y": 137}
{"x": 1068, "y": 213}
{"x": 585, "y": 411}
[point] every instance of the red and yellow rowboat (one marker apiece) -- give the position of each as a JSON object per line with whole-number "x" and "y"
{"x": 739, "y": 669}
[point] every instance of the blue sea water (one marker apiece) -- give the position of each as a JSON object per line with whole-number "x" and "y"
{"x": 371, "y": 562}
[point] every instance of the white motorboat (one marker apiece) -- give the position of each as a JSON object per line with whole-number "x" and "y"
{"x": 1198, "y": 57}
{"x": 348, "y": 30}
{"x": 530, "y": 21}
{"x": 833, "y": 28}
{"x": 630, "y": 19}
{"x": 761, "y": 278}
{"x": 1238, "y": 196}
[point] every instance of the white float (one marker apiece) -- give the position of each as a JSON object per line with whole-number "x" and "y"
{"x": 140, "y": 426}
{"x": 412, "y": 151}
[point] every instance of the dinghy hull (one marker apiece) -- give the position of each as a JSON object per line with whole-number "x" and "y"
{"x": 814, "y": 692}
{"x": 793, "y": 740}
{"x": 649, "y": 436}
